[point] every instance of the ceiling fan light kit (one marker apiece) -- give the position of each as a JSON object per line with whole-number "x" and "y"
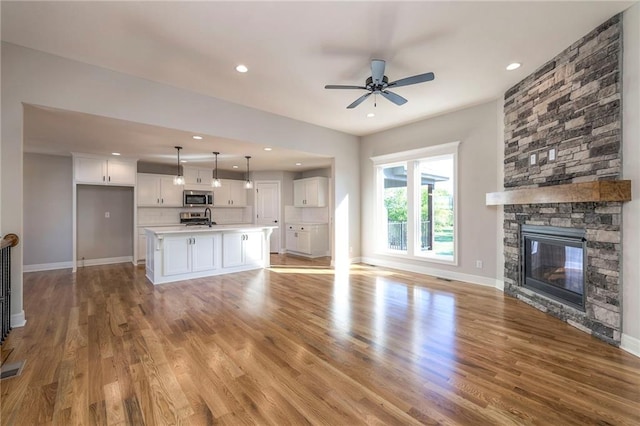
{"x": 378, "y": 84}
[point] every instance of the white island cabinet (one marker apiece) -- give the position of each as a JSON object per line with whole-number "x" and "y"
{"x": 182, "y": 253}
{"x": 242, "y": 248}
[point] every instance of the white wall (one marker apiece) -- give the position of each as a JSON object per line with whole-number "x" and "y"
{"x": 631, "y": 170}
{"x": 500, "y": 187}
{"x": 47, "y": 211}
{"x": 11, "y": 207}
{"x": 34, "y": 77}
{"x": 326, "y": 172}
{"x": 476, "y": 129}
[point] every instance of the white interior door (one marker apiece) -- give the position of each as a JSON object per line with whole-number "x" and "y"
{"x": 268, "y": 210}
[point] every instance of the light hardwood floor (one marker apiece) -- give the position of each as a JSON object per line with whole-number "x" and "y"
{"x": 303, "y": 344}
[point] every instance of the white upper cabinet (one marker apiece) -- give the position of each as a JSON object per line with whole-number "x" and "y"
{"x": 232, "y": 193}
{"x": 121, "y": 172}
{"x": 104, "y": 171}
{"x": 310, "y": 192}
{"x": 158, "y": 191}
{"x": 170, "y": 194}
{"x": 198, "y": 177}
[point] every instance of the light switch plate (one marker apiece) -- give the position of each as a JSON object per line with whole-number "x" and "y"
{"x": 552, "y": 154}
{"x": 532, "y": 159}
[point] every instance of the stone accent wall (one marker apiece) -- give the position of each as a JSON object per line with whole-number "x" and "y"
{"x": 572, "y": 105}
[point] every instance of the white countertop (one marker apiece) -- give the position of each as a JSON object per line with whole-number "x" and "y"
{"x": 182, "y": 229}
{"x": 306, "y": 223}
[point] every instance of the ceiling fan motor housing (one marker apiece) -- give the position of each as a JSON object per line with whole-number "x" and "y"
{"x": 377, "y": 87}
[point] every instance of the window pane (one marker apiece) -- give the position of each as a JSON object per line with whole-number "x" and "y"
{"x": 435, "y": 229}
{"x": 395, "y": 206}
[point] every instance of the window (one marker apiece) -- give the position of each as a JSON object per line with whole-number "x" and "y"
{"x": 416, "y": 203}
{"x": 395, "y": 206}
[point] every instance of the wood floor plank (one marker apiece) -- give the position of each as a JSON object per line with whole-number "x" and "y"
{"x": 301, "y": 343}
{"x": 113, "y": 403}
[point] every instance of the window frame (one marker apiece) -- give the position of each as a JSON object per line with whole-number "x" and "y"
{"x": 411, "y": 159}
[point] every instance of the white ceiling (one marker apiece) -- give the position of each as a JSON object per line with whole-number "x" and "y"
{"x": 293, "y": 49}
{"x": 74, "y": 132}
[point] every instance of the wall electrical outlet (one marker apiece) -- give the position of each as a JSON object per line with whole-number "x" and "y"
{"x": 479, "y": 264}
{"x": 107, "y": 215}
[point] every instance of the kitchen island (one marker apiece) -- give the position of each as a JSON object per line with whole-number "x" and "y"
{"x": 185, "y": 252}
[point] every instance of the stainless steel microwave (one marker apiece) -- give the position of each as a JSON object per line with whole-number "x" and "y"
{"x": 197, "y": 199}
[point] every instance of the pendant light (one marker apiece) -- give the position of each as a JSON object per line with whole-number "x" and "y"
{"x": 248, "y": 184}
{"x": 215, "y": 182}
{"x": 178, "y": 179}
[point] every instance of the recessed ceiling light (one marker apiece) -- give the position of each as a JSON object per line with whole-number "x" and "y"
{"x": 115, "y": 153}
{"x": 242, "y": 68}
{"x": 183, "y": 161}
{"x": 298, "y": 164}
{"x": 268, "y": 149}
{"x": 197, "y": 137}
{"x": 371, "y": 115}
{"x": 513, "y": 66}
{"x": 234, "y": 166}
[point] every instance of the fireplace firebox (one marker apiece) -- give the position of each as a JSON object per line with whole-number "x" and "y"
{"x": 554, "y": 261}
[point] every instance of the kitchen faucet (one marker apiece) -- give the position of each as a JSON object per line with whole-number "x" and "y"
{"x": 208, "y": 217}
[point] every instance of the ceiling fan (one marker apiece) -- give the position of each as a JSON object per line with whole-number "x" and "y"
{"x": 378, "y": 84}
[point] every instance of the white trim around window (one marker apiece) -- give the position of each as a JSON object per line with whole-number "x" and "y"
{"x": 412, "y": 160}
{"x": 416, "y": 154}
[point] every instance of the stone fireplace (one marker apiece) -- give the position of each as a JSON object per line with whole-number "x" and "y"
{"x": 563, "y": 126}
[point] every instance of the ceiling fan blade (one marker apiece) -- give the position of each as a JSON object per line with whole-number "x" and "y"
{"x": 338, "y": 86}
{"x": 377, "y": 70}
{"x": 396, "y": 99}
{"x": 359, "y": 100}
{"x": 420, "y": 78}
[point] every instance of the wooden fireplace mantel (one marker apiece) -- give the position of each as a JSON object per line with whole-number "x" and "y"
{"x": 605, "y": 190}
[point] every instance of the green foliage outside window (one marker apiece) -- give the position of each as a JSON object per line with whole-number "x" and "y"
{"x": 395, "y": 201}
{"x": 443, "y": 211}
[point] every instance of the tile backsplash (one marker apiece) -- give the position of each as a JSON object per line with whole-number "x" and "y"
{"x": 306, "y": 214}
{"x": 167, "y": 216}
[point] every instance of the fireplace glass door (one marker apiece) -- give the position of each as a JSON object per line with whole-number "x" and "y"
{"x": 554, "y": 265}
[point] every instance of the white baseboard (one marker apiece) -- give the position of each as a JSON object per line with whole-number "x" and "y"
{"x": 47, "y": 266}
{"x": 440, "y": 273}
{"x": 104, "y": 261}
{"x": 18, "y": 320}
{"x": 355, "y": 260}
{"x": 630, "y": 344}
